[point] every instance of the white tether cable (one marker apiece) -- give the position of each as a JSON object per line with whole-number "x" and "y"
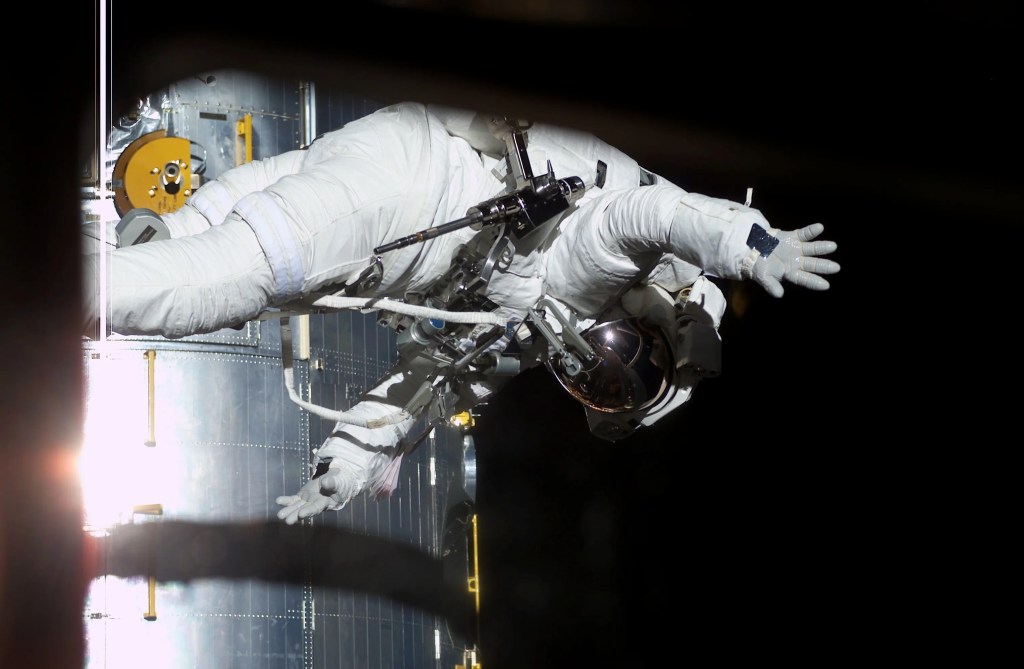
{"x": 337, "y": 302}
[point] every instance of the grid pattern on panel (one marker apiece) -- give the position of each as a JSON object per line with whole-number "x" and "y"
{"x": 228, "y": 441}
{"x": 220, "y": 623}
{"x": 336, "y": 108}
{"x": 357, "y": 630}
{"x": 239, "y": 436}
{"x": 350, "y": 353}
{"x": 302, "y": 379}
{"x": 207, "y": 624}
{"x": 236, "y": 442}
{"x": 245, "y": 450}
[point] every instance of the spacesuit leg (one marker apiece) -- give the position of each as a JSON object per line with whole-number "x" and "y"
{"x": 179, "y": 287}
{"x": 211, "y": 203}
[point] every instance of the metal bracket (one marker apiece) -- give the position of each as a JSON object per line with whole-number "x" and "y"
{"x": 570, "y": 362}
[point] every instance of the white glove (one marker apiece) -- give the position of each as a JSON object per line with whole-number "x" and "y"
{"x": 353, "y": 465}
{"x": 794, "y": 260}
{"x": 329, "y": 492}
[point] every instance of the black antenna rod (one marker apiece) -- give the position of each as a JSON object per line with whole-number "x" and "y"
{"x": 429, "y": 233}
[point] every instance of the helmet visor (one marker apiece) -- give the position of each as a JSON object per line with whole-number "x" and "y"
{"x": 630, "y": 369}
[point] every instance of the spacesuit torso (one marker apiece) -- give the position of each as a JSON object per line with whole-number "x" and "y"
{"x": 569, "y": 295}
{"x": 278, "y": 233}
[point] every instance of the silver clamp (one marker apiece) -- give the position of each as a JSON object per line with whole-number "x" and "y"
{"x": 368, "y": 279}
{"x": 566, "y": 358}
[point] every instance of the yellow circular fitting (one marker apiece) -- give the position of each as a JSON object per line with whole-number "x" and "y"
{"x": 153, "y": 172}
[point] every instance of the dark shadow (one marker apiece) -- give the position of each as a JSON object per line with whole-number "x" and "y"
{"x": 183, "y": 552}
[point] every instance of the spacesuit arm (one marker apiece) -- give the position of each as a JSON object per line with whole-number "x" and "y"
{"x": 362, "y": 459}
{"x": 711, "y": 233}
{"x": 356, "y": 458}
{"x": 620, "y": 235}
{"x": 735, "y": 241}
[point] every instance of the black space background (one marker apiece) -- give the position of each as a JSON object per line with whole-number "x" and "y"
{"x": 794, "y": 510}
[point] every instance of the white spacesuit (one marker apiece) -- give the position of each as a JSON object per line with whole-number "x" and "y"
{"x": 594, "y": 267}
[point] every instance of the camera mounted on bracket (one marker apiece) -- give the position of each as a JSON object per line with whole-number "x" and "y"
{"x": 535, "y": 200}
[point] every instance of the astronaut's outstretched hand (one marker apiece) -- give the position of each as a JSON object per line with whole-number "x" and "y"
{"x": 795, "y": 259}
{"x": 328, "y": 492}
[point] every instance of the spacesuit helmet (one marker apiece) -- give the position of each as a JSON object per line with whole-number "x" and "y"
{"x": 631, "y": 368}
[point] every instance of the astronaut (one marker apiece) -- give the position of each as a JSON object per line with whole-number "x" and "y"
{"x": 490, "y": 245}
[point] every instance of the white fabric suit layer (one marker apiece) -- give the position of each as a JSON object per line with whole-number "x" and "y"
{"x": 273, "y": 230}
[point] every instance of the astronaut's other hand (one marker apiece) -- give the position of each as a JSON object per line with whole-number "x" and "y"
{"x": 325, "y": 493}
{"x": 795, "y": 259}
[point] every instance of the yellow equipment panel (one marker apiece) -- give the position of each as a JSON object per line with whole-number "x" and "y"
{"x": 153, "y": 172}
